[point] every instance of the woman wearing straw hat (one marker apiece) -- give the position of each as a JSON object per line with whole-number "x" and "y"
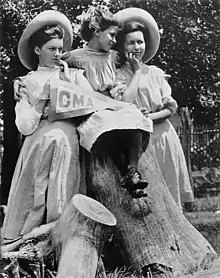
{"x": 124, "y": 145}
{"x": 147, "y": 228}
{"x": 47, "y": 173}
{"x": 99, "y": 29}
{"x": 147, "y": 87}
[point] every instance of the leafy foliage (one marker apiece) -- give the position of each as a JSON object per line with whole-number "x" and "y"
{"x": 14, "y": 18}
{"x": 188, "y": 50}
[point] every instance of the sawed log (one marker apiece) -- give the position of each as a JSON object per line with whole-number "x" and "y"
{"x": 82, "y": 231}
{"x": 74, "y": 242}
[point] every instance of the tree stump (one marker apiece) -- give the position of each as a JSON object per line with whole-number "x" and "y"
{"x": 152, "y": 232}
{"x": 73, "y": 243}
{"x": 82, "y": 231}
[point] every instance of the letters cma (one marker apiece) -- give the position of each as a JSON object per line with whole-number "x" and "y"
{"x": 69, "y": 99}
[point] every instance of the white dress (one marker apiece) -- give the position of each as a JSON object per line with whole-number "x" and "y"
{"x": 99, "y": 69}
{"x": 47, "y": 172}
{"x": 154, "y": 93}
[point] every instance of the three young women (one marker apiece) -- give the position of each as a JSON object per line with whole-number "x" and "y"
{"x": 47, "y": 173}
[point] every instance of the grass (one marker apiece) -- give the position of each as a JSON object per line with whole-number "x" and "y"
{"x": 206, "y": 219}
{"x": 208, "y": 224}
{"x": 117, "y": 273}
{"x": 203, "y": 217}
{"x": 122, "y": 273}
{"x": 207, "y": 204}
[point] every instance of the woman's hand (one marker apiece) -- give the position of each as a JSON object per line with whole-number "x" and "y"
{"x": 44, "y": 97}
{"x": 156, "y": 117}
{"x": 145, "y": 112}
{"x": 65, "y": 55}
{"x": 131, "y": 91}
{"x": 19, "y": 89}
{"x": 66, "y": 71}
{"x": 134, "y": 62}
{"x": 160, "y": 116}
{"x": 46, "y": 111}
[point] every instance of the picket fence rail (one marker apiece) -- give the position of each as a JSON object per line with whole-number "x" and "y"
{"x": 203, "y": 144}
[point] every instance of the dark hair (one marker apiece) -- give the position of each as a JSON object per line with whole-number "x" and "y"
{"x": 42, "y": 36}
{"x": 104, "y": 20}
{"x": 128, "y": 27}
{"x": 131, "y": 26}
{"x": 46, "y": 34}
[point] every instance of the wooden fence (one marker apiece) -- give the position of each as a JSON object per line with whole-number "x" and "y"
{"x": 203, "y": 145}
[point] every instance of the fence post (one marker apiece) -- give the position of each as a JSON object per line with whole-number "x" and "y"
{"x": 186, "y": 139}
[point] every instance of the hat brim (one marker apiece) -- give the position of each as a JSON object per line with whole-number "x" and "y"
{"x": 25, "y": 52}
{"x": 151, "y": 33}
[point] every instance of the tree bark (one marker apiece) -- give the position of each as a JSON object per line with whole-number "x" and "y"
{"x": 151, "y": 231}
{"x": 74, "y": 242}
{"x": 31, "y": 255}
{"x": 82, "y": 231}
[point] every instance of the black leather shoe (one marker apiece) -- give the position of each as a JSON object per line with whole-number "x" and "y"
{"x": 138, "y": 193}
{"x": 133, "y": 180}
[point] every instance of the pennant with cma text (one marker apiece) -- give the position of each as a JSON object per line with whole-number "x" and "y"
{"x": 68, "y": 100}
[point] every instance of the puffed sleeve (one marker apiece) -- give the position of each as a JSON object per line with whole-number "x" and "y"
{"x": 165, "y": 90}
{"x": 26, "y": 117}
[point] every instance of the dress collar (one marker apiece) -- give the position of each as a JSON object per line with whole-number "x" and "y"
{"x": 48, "y": 69}
{"x": 96, "y": 51}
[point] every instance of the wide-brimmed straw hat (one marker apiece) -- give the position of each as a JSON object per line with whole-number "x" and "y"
{"x": 50, "y": 17}
{"x": 151, "y": 33}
